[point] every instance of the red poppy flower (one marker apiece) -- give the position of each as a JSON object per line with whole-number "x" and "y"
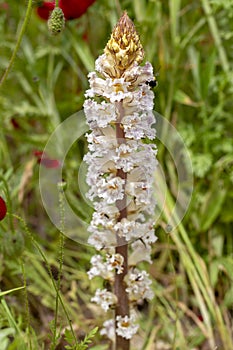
{"x": 3, "y": 208}
{"x": 45, "y": 160}
{"x": 71, "y": 8}
{"x": 50, "y": 163}
{"x": 4, "y": 6}
{"x": 38, "y": 154}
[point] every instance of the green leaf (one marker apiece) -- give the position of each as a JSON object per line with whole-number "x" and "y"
{"x": 5, "y": 332}
{"x": 69, "y": 336}
{"x": 174, "y": 8}
{"x": 83, "y": 51}
{"x": 228, "y": 299}
{"x": 84, "y": 344}
{"x": 207, "y": 72}
{"x": 224, "y": 263}
{"x": 10, "y": 291}
{"x": 212, "y": 206}
{"x": 183, "y": 98}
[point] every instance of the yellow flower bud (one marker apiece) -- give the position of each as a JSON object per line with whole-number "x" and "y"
{"x": 124, "y": 47}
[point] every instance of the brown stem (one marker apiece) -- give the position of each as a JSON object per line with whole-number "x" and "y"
{"x": 122, "y": 308}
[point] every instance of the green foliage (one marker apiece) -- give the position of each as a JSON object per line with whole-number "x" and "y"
{"x": 55, "y": 336}
{"x": 83, "y": 345}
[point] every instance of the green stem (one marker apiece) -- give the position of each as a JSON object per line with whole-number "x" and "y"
{"x": 27, "y": 310}
{"x": 61, "y": 255}
{"x": 6, "y": 160}
{"x": 215, "y": 33}
{"x": 170, "y": 98}
{"x": 171, "y": 88}
{"x": 18, "y": 43}
{"x": 176, "y": 297}
{"x": 49, "y": 270}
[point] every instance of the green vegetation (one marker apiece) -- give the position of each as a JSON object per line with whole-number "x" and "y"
{"x": 44, "y": 289}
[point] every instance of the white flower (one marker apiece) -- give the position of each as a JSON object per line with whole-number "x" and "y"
{"x": 112, "y": 89}
{"x": 125, "y": 228}
{"x": 141, "y": 100}
{"x": 99, "y": 114}
{"x": 138, "y": 75}
{"x": 126, "y": 326}
{"x": 132, "y": 229}
{"x": 105, "y": 268}
{"x": 101, "y": 239}
{"x": 138, "y": 285}
{"x": 140, "y": 252}
{"x": 109, "y": 210}
{"x": 138, "y": 126}
{"x": 103, "y": 136}
{"x": 116, "y": 89}
{"x": 140, "y": 191}
{"x": 110, "y": 189}
{"x": 102, "y": 220}
{"x": 104, "y": 298}
{"x": 115, "y": 261}
{"x": 124, "y": 158}
{"x": 149, "y": 237}
{"x": 98, "y": 166}
{"x": 99, "y": 268}
{"x": 133, "y": 154}
{"x": 109, "y": 329}
{"x": 96, "y": 85}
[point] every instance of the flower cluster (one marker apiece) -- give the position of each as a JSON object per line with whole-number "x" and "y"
{"x": 119, "y": 112}
{"x": 126, "y": 327}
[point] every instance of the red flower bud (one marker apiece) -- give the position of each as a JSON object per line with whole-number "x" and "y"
{"x": 15, "y": 124}
{"x": 71, "y": 8}
{"x": 3, "y": 208}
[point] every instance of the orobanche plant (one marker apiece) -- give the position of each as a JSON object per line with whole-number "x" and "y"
{"x": 119, "y": 112}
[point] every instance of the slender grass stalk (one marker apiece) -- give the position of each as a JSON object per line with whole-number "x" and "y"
{"x": 61, "y": 258}
{"x": 174, "y": 9}
{"x": 187, "y": 39}
{"x": 199, "y": 279}
{"x": 34, "y": 242}
{"x": 176, "y": 299}
{"x": 26, "y": 304}
{"x": 18, "y": 42}
{"x": 10, "y": 317}
{"x": 216, "y": 36}
{"x": 4, "y": 147}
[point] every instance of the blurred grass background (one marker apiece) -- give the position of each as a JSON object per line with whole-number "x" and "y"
{"x": 190, "y": 45}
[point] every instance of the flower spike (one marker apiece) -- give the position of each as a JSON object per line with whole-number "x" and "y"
{"x": 124, "y": 47}
{"x": 119, "y": 112}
